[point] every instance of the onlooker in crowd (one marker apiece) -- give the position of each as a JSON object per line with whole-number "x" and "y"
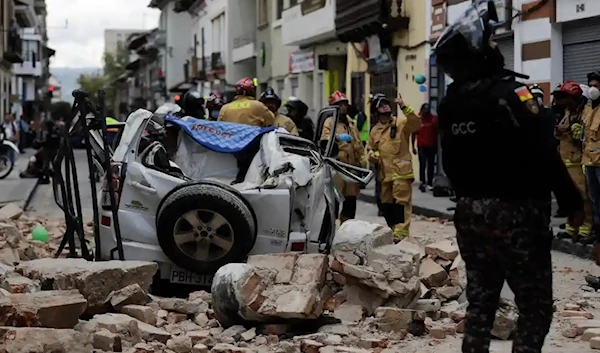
{"x": 426, "y": 147}
{"x": 11, "y": 133}
{"x": 23, "y": 129}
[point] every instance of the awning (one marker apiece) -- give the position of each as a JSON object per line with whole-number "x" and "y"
{"x": 134, "y": 65}
{"x": 48, "y": 52}
{"x": 123, "y": 77}
{"x": 181, "y": 87}
{"x": 137, "y": 41}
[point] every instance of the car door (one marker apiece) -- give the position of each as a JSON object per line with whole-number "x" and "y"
{"x": 321, "y": 213}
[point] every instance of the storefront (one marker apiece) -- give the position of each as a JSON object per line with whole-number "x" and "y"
{"x": 581, "y": 48}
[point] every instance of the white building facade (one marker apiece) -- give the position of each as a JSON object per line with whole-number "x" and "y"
{"x": 318, "y": 67}
{"x": 175, "y": 26}
{"x": 223, "y": 44}
{"x": 116, "y": 39}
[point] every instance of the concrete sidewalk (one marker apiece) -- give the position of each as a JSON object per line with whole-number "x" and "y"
{"x": 425, "y": 204}
{"x": 13, "y": 189}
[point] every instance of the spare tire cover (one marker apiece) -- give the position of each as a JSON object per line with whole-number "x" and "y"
{"x": 203, "y": 226}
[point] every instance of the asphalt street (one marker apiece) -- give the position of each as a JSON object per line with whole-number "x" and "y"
{"x": 43, "y": 203}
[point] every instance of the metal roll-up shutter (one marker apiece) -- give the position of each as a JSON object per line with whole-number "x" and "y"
{"x": 581, "y": 49}
{"x": 507, "y": 48}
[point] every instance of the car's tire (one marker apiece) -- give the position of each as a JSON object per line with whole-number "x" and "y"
{"x": 201, "y": 200}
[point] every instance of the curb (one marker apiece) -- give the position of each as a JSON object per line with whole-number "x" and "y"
{"x": 25, "y": 204}
{"x": 562, "y": 245}
{"x": 421, "y": 211}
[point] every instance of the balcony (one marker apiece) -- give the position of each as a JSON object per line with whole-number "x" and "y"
{"x": 244, "y": 48}
{"x": 308, "y": 22}
{"x": 31, "y": 66}
{"x": 25, "y": 13}
{"x": 355, "y": 20}
{"x": 14, "y": 47}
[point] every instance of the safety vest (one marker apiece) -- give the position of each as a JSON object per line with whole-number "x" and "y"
{"x": 364, "y": 132}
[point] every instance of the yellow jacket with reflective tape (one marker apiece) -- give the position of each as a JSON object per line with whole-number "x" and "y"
{"x": 591, "y": 142}
{"x": 286, "y": 123}
{"x": 246, "y": 110}
{"x": 392, "y": 154}
{"x": 349, "y": 152}
{"x": 570, "y": 146}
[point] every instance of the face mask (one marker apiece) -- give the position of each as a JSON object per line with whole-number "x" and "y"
{"x": 214, "y": 114}
{"x": 594, "y": 93}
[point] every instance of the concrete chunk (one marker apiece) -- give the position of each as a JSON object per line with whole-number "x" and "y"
{"x": 94, "y": 280}
{"x": 444, "y": 249}
{"x": 283, "y": 264}
{"x": 432, "y": 274}
{"x": 39, "y": 340}
{"x": 52, "y": 309}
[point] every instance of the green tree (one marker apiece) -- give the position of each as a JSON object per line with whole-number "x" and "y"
{"x": 60, "y": 109}
{"x": 113, "y": 67}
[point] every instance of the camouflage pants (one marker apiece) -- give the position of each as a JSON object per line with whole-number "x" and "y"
{"x": 502, "y": 241}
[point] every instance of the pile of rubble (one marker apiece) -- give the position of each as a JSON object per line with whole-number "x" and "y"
{"x": 368, "y": 296}
{"x": 16, "y": 243}
{"x": 577, "y": 323}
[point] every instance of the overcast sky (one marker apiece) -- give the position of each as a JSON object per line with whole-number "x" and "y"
{"x": 80, "y": 43}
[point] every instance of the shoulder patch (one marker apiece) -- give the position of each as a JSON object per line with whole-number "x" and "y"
{"x": 524, "y": 94}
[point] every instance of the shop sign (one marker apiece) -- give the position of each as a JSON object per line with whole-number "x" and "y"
{"x": 569, "y": 10}
{"x": 302, "y": 61}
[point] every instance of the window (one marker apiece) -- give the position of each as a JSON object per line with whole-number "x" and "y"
{"x": 218, "y": 31}
{"x": 294, "y": 82}
{"x": 262, "y": 12}
{"x": 279, "y": 9}
{"x": 280, "y": 89}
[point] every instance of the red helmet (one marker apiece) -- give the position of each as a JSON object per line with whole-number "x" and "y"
{"x": 337, "y": 97}
{"x": 571, "y": 88}
{"x": 246, "y": 87}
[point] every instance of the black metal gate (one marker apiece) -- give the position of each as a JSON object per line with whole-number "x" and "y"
{"x": 385, "y": 83}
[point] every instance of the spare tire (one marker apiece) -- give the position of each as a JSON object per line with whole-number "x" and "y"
{"x": 203, "y": 226}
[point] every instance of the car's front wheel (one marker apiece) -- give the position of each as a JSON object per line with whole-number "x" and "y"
{"x": 202, "y": 227}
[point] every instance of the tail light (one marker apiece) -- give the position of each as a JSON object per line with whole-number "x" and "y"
{"x": 116, "y": 176}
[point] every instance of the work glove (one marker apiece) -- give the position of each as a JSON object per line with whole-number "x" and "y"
{"x": 373, "y": 157}
{"x": 583, "y": 168}
{"x": 344, "y": 138}
{"x": 576, "y": 131}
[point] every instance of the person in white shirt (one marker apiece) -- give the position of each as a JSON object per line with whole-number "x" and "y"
{"x": 11, "y": 133}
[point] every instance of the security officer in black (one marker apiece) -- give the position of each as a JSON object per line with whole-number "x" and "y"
{"x": 503, "y": 170}
{"x": 193, "y": 104}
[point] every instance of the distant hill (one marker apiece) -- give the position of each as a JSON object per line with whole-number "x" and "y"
{"x": 68, "y": 78}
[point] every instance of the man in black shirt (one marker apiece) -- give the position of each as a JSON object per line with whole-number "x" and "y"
{"x": 503, "y": 169}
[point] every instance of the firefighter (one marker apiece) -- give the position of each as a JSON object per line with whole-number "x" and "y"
{"x": 245, "y": 109}
{"x": 362, "y": 124}
{"x": 568, "y": 132}
{"x": 351, "y": 151}
{"x": 214, "y": 103}
{"x": 389, "y": 148}
{"x": 273, "y": 102}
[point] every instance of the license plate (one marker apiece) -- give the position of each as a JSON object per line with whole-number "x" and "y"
{"x": 187, "y": 277}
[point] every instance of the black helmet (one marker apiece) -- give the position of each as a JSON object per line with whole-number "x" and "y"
{"x": 375, "y": 100}
{"x": 595, "y": 75}
{"x": 464, "y": 49}
{"x": 269, "y": 93}
{"x": 193, "y": 104}
{"x": 298, "y": 105}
